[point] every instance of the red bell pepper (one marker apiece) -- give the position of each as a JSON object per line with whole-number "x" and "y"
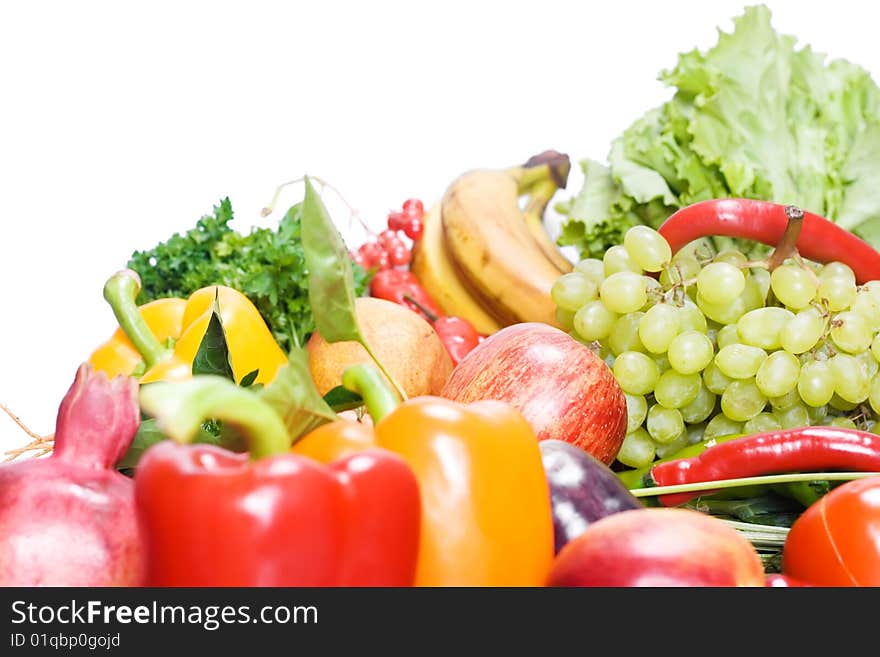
{"x": 213, "y": 517}
{"x": 762, "y": 221}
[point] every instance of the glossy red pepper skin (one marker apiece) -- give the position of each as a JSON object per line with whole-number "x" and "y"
{"x": 790, "y": 450}
{"x": 762, "y": 221}
{"x": 211, "y": 517}
{"x": 401, "y": 286}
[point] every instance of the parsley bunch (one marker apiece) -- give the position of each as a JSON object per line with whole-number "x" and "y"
{"x": 266, "y": 265}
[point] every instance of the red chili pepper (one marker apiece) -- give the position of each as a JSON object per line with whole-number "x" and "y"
{"x": 762, "y": 221}
{"x": 791, "y": 450}
{"x": 401, "y": 286}
{"x": 458, "y": 336}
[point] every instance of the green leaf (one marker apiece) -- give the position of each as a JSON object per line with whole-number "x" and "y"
{"x": 213, "y": 354}
{"x": 341, "y": 398}
{"x": 248, "y": 380}
{"x": 148, "y": 434}
{"x": 331, "y": 281}
{"x": 295, "y": 398}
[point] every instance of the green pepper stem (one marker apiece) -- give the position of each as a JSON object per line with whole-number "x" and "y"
{"x": 367, "y": 381}
{"x": 653, "y": 491}
{"x": 180, "y": 408}
{"x": 120, "y": 291}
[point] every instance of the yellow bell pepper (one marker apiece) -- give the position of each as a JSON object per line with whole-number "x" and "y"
{"x": 141, "y": 341}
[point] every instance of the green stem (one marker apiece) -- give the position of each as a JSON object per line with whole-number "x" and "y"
{"x": 120, "y": 291}
{"x": 180, "y": 408}
{"x": 397, "y": 387}
{"x": 749, "y": 481}
{"x": 368, "y": 382}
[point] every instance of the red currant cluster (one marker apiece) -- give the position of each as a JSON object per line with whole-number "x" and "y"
{"x": 389, "y": 249}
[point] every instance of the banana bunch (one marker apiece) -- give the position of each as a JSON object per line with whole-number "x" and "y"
{"x": 485, "y": 256}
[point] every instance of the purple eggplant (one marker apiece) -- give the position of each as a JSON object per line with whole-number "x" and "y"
{"x": 582, "y": 490}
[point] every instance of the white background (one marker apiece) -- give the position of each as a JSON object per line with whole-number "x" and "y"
{"x": 122, "y": 122}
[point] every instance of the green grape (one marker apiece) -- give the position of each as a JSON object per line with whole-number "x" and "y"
{"x": 729, "y": 313}
{"x": 653, "y": 292}
{"x": 658, "y": 327}
{"x": 715, "y": 380}
{"x": 691, "y": 318}
{"x": 742, "y": 400}
{"x": 617, "y": 259}
{"x": 762, "y": 327}
{"x": 838, "y": 291}
{"x": 796, "y": 416}
{"x": 762, "y": 281}
{"x": 817, "y": 413}
{"x": 762, "y": 422}
{"x": 695, "y": 432}
{"x": 674, "y": 390}
{"x": 636, "y": 373}
{"x": 690, "y": 352}
{"x": 875, "y": 347}
{"x": 739, "y": 361}
{"x": 662, "y": 361}
{"x": 592, "y": 268}
{"x": 684, "y": 267}
{"x": 720, "y": 282}
{"x": 816, "y": 383}
{"x": 851, "y": 332}
{"x": 565, "y": 319}
{"x": 874, "y": 394}
{"x": 571, "y": 291}
{"x": 842, "y": 421}
{"x": 838, "y": 403}
{"x": 794, "y": 286}
{"x": 594, "y": 321}
{"x": 837, "y": 269}
{"x": 727, "y": 335}
{"x": 624, "y": 334}
{"x": 867, "y": 304}
{"x": 623, "y": 292}
{"x": 664, "y": 424}
{"x": 700, "y": 408}
{"x": 867, "y": 363}
{"x": 850, "y": 382}
{"x": 733, "y": 257}
{"x": 778, "y": 374}
{"x": 636, "y": 411}
{"x": 720, "y": 425}
{"x": 803, "y": 331}
{"x": 670, "y": 449}
{"x": 647, "y": 247}
{"x": 637, "y": 449}
{"x": 786, "y": 401}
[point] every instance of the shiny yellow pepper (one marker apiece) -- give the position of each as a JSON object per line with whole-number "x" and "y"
{"x": 139, "y": 346}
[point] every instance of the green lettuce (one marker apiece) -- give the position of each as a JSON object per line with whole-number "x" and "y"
{"x": 752, "y": 117}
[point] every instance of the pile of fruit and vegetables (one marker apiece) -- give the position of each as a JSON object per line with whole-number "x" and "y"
{"x": 693, "y": 400}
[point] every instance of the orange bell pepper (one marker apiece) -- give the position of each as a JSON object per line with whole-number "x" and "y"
{"x": 139, "y": 346}
{"x": 486, "y": 515}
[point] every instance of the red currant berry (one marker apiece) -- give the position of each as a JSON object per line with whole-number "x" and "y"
{"x": 369, "y": 253}
{"x": 400, "y": 255}
{"x": 383, "y": 261}
{"x": 414, "y": 229}
{"x": 413, "y": 207}
{"x": 388, "y": 239}
{"x": 396, "y": 220}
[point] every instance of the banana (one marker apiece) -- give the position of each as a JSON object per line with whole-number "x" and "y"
{"x": 437, "y": 274}
{"x": 534, "y": 218}
{"x": 493, "y": 248}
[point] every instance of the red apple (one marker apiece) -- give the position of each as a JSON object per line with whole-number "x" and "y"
{"x": 658, "y": 547}
{"x": 564, "y": 390}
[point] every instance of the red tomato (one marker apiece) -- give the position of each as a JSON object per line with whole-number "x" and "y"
{"x": 836, "y": 542}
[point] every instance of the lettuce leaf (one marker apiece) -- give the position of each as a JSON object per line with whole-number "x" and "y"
{"x": 752, "y": 117}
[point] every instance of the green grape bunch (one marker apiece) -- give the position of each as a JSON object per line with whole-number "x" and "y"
{"x": 711, "y": 344}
